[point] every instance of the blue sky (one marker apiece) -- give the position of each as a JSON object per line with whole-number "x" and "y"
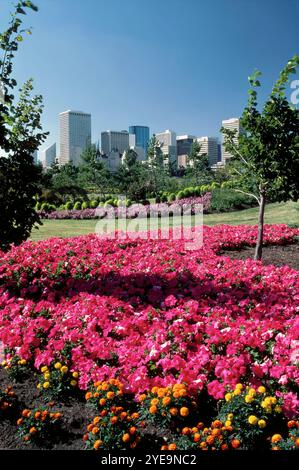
{"x": 168, "y": 64}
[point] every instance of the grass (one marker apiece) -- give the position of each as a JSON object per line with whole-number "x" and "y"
{"x": 277, "y": 213}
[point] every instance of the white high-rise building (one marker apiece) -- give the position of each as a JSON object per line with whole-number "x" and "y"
{"x": 168, "y": 144}
{"x": 75, "y": 136}
{"x": 231, "y": 124}
{"x": 114, "y": 141}
{"x": 48, "y": 156}
{"x": 209, "y": 146}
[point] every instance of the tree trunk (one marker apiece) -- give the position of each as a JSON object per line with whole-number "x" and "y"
{"x": 259, "y": 241}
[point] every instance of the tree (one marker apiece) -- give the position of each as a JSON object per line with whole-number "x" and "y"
{"x": 198, "y": 164}
{"x": 269, "y": 148}
{"x": 132, "y": 177}
{"x": 157, "y": 165}
{"x": 93, "y": 172}
{"x": 20, "y": 136}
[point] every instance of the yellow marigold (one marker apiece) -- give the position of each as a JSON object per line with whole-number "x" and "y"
{"x": 173, "y": 411}
{"x": 228, "y": 396}
{"x": 44, "y": 369}
{"x": 228, "y": 423}
{"x": 110, "y": 395}
{"x": 237, "y": 391}
{"x": 252, "y": 392}
{"x": 46, "y": 385}
{"x": 96, "y": 420}
{"x": 261, "y": 389}
{"x": 252, "y": 420}
{"x": 262, "y": 423}
{"x": 184, "y": 411}
{"x": 249, "y": 398}
{"x": 161, "y": 392}
{"x": 102, "y": 402}
{"x": 95, "y": 430}
{"x": 176, "y": 394}
{"x": 183, "y": 392}
{"x": 97, "y": 444}
{"x": 23, "y": 362}
{"x": 154, "y": 401}
{"x": 239, "y": 386}
{"x": 172, "y": 446}
{"x": 230, "y": 416}
{"x": 166, "y": 401}
{"x": 47, "y": 375}
{"x": 75, "y": 375}
{"x": 73, "y": 383}
{"x": 57, "y": 365}
{"x": 126, "y": 437}
{"x": 273, "y": 400}
{"x": 64, "y": 369}
{"x": 142, "y": 397}
{"x": 155, "y": 390}
{"x": 276, "y": 438}
{"x": 153, "y": 409}
{"x": 278, "y": 409}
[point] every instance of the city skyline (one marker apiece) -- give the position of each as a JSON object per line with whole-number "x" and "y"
{"x": 162, "y": 65}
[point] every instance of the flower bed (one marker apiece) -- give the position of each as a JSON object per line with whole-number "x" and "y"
{"x": 153, "y": 314}
{"x": 186, "y": 205}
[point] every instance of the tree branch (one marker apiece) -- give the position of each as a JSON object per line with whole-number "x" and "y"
{"x": 248, "y": 194}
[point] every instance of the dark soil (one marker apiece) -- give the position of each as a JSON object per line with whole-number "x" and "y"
{"x": 75, "y": 417}
{"x": 277, "y": 255}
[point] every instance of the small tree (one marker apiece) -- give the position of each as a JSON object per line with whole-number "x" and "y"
{"x": 92, "y": 172}
{"x": 198, "y": 164}
{"x": 20, "y": 136}
{"x": 269, "y": 147}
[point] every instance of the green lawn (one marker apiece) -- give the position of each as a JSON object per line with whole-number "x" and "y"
{"x": 284, "y": 213}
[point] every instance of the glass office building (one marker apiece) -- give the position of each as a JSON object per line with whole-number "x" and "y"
{"x": 142, "y": 135}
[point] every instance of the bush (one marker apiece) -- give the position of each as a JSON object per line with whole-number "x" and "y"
{"x": 225, "y": 200}
{"x": 164, "y": 198}
{"x": 69, "y": 205}
{"x": 94, "y": 204}
{"x": 85, "y": 205}
{"x": 109, "y": 202}
{"x": 157, "y": 199}
{"x": 171, "y": 197}
{"x": 38, "y": 206}
{"x": 197, "y": 191}
{"x": 77, "y": 206}
{"x": 180, "y": 195}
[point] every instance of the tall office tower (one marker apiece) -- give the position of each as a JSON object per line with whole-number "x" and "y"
{"x": 168, "y": 144}
{"x": 114, "y": 141}
{"x": 209, "y": 145}
{"x": 184, "y": 146}
{"x": 142, "y": 136}
{"x": 75, "y": 136}
{"x": 48, "y": 156}
{"x": 231, "y": 124}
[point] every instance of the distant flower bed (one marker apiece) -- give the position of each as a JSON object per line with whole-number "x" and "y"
{"x": 191, "y": 205}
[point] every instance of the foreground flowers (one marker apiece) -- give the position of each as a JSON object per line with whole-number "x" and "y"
{"x": 154, "y": 314}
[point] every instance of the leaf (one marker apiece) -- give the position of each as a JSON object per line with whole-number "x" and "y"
{"x": 19, "y": 38}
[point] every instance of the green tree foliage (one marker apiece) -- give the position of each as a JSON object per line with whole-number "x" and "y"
{"x": 198, "y": 165}
{"x": 20, "y": 136}
{"x": 132, "y": 177}
{"x": 93, "y": 173}
{"x": 268, "y": 152}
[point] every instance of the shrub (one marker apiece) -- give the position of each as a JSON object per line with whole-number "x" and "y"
{"x": 45, "y": 207}
{"x": 225, "y": 200}
{"x": 109, "y": 202}
{"x": 8, "y": 401}
{"x": 197, "y": 191}
{"x": 69, "y": 205}
{"x": 85, "y": 205}
{"x": 77, "y": 205}
{"x": 38, "y": 206}
{"x": 157, "y": 199}
{"x": 180, "y": 195}
{"x": 164, "y": 198}
{"x": 38, "y": 425}
{"x": 171, "y": 197}
{"x": 57, "y": 380}
{"x": 94, "y": 204}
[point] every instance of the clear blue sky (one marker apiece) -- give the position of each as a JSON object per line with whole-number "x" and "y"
{"x": 168, "y": 64}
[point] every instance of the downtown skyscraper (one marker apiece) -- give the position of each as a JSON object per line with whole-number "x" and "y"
{"x": 75, "y": 136}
